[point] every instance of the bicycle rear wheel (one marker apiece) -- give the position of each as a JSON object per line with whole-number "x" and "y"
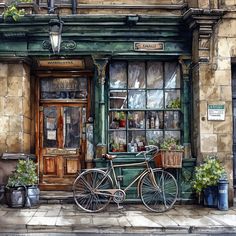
{"x": 84, "y": 192}
{"x": 158, "y": 190}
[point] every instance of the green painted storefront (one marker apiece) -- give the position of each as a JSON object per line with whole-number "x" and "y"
{"x": 105, "y": 39}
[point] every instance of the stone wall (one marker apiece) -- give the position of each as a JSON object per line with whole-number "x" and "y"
{"x": 15, "y": 108}
{"x": 212, "y": 79}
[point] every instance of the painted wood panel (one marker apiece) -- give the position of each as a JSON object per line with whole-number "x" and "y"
{"x": 50, "y": 166}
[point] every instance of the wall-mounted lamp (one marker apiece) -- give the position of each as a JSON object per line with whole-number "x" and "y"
{"x": 55, "y": 31}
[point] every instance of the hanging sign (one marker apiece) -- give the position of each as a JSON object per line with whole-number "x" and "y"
{"x": 148, "y": 46}
{"x": 65, "y": 63}
{"x": 216, "y": 111}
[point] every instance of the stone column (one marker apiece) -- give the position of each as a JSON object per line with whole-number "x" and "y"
{"x": 186, "y": 63}
{"x": 101, "y": 63}
{"x": 15, "y": 108}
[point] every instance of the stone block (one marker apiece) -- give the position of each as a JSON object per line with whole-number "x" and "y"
{"x": 2, "y": 105}
{"x": 14, "y": 142}
{"x": 27, "y": 125}
{"x": 228, "y": 108}
{"x": 13, "y": 106}
{"x": 4, "y": 127}
{"x": 206, "y": 126}
{"x": 227, "y": 28}
{"x": 224, "y": 142}
{"x": 226, "y": 47}
{"x": 16, "y": 123}
{"x": 26, "y": 142}
{"x": 26, "y": 86}
{"x": 4, "y": 69}
{"x": 204, "y": 4}
{"x": 208, "y": 143}
{"x": 15, "y": 69}
{"x": 15, "y": 86}
{"x": 223, "y": 77}
{"x": 3, "y": 86}
{"x": 206, "y": 77}
{"x": 26, "y": 107}
{"x": 223, "y": 127}
{"x": 224, "y": 63}
{"x": 210, "y": 93}
{"x": 226, "y": 93}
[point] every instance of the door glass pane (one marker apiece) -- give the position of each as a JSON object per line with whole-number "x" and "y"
{"x": 72, "y": 126}
{"x": 63, "y": 88}
{"x": 50, "y": 127}
{"x": 136, "y": 99}
{"x": 154, "y": 75}
{"x": 136, "y": 75}
{"x": 172, "y": 75}
{"x": 155, "y": 99}
{"x": 118, "y": 75}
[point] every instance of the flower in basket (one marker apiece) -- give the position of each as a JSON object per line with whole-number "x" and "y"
{"x": 170, "y": 154}
{"x": 171, "y": 144}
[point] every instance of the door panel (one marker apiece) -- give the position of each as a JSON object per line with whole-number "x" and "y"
{"x": 61, "y": 143}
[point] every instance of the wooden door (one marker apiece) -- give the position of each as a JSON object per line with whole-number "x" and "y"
{"x": 62, "y": 144}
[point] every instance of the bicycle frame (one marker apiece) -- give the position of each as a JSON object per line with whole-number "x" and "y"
{"x": 110, "y": 171}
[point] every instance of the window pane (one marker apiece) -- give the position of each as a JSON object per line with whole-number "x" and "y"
{"x": 136, "y": 141}
{"x": 136, "y": 120}
{"x": 117, "y": 119}
{"x": 173, "y": 134}
{"x": 155, "y": 99}
{"x": 64, "y": 88}
{"x": 172, "y": 120}
{"x": 118, "y": 75}
{"x": 154, "y": 75}
{"x": 136, "y": 99}
{"x": 117, "y": 141}
{"x": 118, "y": 99}
{"x": 136, "y": 77}
{"x": 172, "y": 99}
{"x": 154, "y": 120}
{"x": 172, "y": 75}
{"x": 72, "y": 130}
{"x": 50, "y": 127}
{"x": 154, "y": 137}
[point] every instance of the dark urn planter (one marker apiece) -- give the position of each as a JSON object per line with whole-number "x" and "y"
{"x": 210, "y": 196}
{"x": 15, "y": 196}
{"x": 32, "y": 196}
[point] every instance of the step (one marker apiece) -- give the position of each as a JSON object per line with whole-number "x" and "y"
{"x": 56, "y": 197}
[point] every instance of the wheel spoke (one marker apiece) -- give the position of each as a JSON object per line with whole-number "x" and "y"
{"x": 85, "y": 195}
{"x": 159, "y": 190}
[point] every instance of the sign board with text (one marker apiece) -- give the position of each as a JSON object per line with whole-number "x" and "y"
{"x": 216, "y": 111}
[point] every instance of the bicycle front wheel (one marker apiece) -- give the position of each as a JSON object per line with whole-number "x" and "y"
{"x": 158, "y": 190}
{"x": 87, "y": 190}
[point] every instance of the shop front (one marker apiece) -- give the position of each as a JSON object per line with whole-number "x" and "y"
{"x": 117, "y": 85}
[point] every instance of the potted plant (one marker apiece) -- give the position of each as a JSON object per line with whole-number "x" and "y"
{"x": 174, "y": 103}
{"x": 170, "y": 154}
{"x": 22, "y": 188}
{"x": 122, "y": 120}
{"x": 206, "y": 179}
{"x": 12, "y": 12}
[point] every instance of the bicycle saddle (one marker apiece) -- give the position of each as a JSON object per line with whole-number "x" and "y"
{"x": 108, "y": 156}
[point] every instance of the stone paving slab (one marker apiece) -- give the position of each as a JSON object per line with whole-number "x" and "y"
{"x": 133, "y": 218}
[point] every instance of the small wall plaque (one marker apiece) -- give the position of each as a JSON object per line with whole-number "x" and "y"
{"x": 216, "y": 111}
{"x": 62, "y": 63}
{"x": 149, "y": 46}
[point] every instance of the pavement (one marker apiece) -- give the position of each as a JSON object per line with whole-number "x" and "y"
{"x": 132, "y": 218}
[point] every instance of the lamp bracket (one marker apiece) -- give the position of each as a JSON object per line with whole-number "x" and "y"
{"x": 65, "y": 45}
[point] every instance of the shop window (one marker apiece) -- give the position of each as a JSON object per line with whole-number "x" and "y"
{"x": 144, "y": 104}
{"x": 63, "y": 88}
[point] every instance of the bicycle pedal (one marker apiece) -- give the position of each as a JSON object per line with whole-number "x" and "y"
{"x": 119, "y": 207}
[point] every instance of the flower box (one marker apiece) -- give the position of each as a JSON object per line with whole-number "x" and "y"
{"x": 169, "y": 159}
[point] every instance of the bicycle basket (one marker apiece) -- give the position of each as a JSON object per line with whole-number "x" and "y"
{"x": 168, "y": 159}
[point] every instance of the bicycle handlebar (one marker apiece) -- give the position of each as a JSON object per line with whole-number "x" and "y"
{"x": 151, "y": 149}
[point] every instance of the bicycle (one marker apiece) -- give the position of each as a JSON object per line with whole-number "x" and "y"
{"x": 94, "y": 188}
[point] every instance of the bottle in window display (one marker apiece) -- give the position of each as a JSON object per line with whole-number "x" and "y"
{"x": 147, "y": 123}
{"x": 157, "y": 122}
{"x": 176, "y": 121}
{"x": 152, "y": 122}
